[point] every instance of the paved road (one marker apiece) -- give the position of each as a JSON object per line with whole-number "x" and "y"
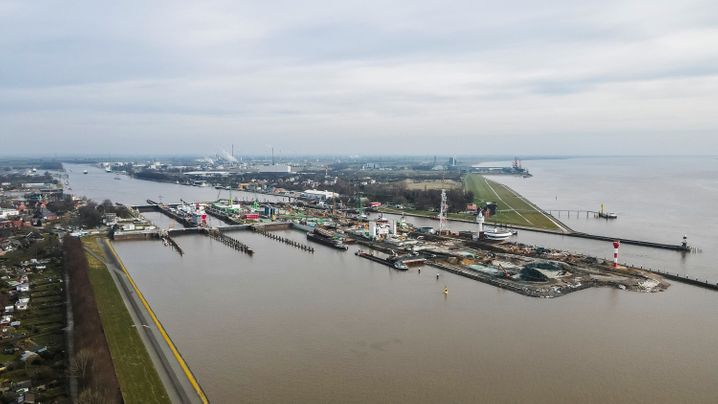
{"x": 178, "y": 386}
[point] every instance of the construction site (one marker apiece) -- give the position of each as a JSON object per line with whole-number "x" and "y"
{"x": 485, "y": 255}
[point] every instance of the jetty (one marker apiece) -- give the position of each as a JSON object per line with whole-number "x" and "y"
{"x": 264, "y": 232}
{"x": 684, "y": 279}
{"x": 228, "y": 241}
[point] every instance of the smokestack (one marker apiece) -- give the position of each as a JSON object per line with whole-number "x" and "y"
{"x": 272, "y": 155}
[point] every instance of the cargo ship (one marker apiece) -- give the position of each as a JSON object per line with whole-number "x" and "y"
{"x": 327, "y": 238}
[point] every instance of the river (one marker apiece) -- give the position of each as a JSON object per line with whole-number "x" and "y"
{"x": 288, "y": 326}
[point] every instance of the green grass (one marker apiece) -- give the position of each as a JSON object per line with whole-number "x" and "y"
{"x": 428, "y": 214}
{"x": 511, "y": 207}
{"x": 7, "y": 357}
{"x": 135, "y": 371}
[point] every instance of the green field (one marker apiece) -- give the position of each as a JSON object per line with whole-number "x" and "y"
{"x": 512, "y": 208}
{"x": 135, "y": 371}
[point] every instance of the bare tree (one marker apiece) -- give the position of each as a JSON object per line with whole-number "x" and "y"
{"x": 81, "y": 364}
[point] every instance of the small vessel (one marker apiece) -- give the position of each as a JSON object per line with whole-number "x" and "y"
{"x": 609, "y": 215}
{"x": 400, "y": 265}
{"x": 403, "y": 262}
{"x": 385, "y": 261}
{"x": 84, "y": 171}
{"x": 496, "y": 234}
{"x": 118, "y": 178}
{"x": 108, "y": 169}
{"x": 606, "y": 215}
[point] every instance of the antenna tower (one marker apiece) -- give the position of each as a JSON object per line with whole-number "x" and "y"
{"x": 442, "y": 212}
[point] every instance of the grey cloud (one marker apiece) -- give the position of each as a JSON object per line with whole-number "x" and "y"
{"x": 409, "y": 72}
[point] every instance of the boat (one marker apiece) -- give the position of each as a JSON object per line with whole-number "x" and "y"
{"x": 108, "y": 169}
{"x": 117, "y": 178}
{"x": 325, "y": 237}
{"x": 400, "y": 265}
{"x": 84, "y": 171}
{"x": 496, "y": 234}
{"x": 385, "y": 261}
{"x": 606, "y": 215}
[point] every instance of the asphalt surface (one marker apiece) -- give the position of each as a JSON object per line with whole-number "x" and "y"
{"x": 178, "y": 386}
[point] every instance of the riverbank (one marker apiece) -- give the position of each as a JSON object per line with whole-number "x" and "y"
{"x": 167, "y": 358}
{"x": 138, "y": 379}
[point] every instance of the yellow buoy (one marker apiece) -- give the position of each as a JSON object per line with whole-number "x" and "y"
{"x": 446, "y": 291}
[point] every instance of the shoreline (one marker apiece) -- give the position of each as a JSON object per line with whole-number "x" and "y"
{"x": 161, "y": 348}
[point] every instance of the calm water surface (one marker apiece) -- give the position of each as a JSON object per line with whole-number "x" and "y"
{"x": 656, "y": 199}
{"x": 288, "y": 326}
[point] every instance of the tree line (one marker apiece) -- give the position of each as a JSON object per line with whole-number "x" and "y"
{"x": 91, "y": 363}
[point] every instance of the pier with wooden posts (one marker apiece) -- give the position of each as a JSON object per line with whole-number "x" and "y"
{"x": 215, "y": 234}
{"x": 265, "y": 232}
{"x": 573, "y": 213}
{"x": 169, "y": 241}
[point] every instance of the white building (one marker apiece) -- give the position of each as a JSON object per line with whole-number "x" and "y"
{"x": 276, "y": 168}
{"x": 316, "y": 194}
{"x": 7, "y": 213}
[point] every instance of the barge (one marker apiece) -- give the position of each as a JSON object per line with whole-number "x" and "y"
{"x": 325, "y": 237}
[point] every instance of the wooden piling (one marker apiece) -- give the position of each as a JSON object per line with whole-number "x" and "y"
{"x": 284, "y": 240}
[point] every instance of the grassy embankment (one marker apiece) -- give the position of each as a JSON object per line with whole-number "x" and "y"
{"x": 512, "y": 209}
{"x": 135, "y": 371}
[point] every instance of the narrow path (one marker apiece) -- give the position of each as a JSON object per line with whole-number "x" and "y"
{"x": 70, "y": 335}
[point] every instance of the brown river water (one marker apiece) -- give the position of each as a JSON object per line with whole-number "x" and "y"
{"x": 288, "y": 326}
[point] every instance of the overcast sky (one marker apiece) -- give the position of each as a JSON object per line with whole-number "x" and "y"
{"x": 415, "y": 76}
